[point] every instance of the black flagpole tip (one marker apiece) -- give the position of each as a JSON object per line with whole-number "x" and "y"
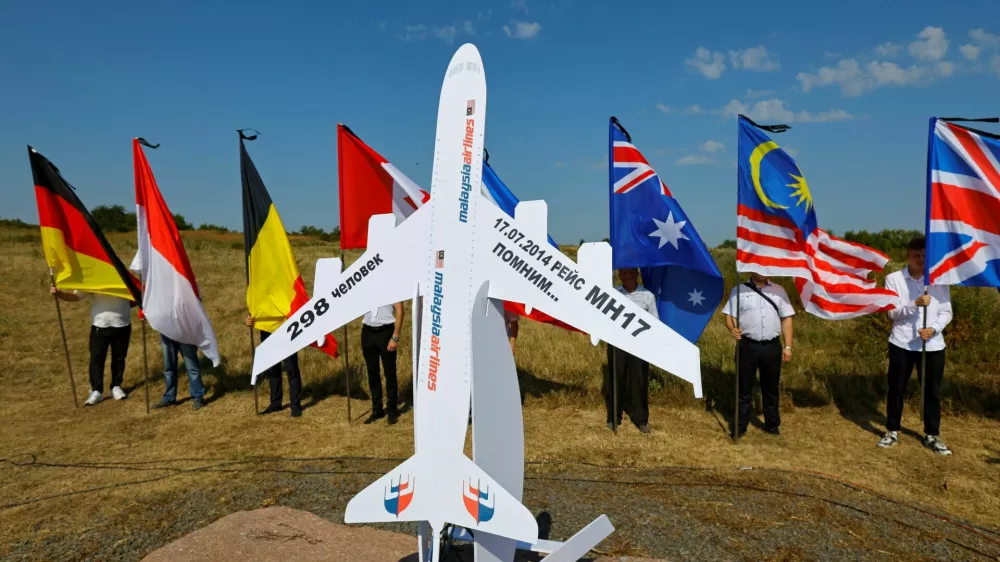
{"x": 971, "y": 120}
{"x": 779, "y": 128}
{"x": 145, "y": 142}
{"x": 245, "y": 136}
{"x": 621, "y": 128}
{"x": 486, "y": 156}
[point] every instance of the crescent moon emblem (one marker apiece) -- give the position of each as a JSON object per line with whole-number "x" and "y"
{"x": 755, "y": 159}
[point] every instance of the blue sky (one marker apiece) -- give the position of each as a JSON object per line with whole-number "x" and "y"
{"x": 857, "y": 82}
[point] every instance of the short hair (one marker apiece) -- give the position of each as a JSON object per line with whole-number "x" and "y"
{"x": 918, "y": 243}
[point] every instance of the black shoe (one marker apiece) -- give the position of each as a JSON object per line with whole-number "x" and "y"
{"x": 374, "y": 417}
{"x": 644, "y": 428}
{"x": 197, "y": 404}
{"x": 743, "y": 431}
{"x": 164, "y": 404}
{"x": 393, "y": 418}
{"x": 270, "y": 410}
{"x": 773, "y": 430}
{"x": 296, "y": 411}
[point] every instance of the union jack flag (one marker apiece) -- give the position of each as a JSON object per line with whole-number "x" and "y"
{"x": 630, "y": 169}
{"x": 963, "y": 206}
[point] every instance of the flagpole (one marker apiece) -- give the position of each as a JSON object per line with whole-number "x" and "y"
{"x": 145, "y": 357}
{"x": 256, "y": 406}
{"x": 736, "y": 408}
{"x": 62, "y": 330}
{"x": 614, "y": 391}
{"x": 347, "y": 361}
{"x": 923, "y": 364}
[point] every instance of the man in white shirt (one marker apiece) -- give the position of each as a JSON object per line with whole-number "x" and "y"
{"x": 110, "y": 327}
{"x": 379, "y": 339}
{"x": 631, "y": 372}
{"x": 765, "y": 314}
{"x": 905, "y": 341}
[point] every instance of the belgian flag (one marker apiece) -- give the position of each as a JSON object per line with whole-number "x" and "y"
{"x": 75, "y": 248}
{"x": 274, "y": 287}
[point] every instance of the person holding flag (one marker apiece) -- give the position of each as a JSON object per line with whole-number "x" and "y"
{"x": 80, "y": 259}
{"x": 651, "y": 232}
{"x": 275, "y": 289}
{"x": 171, "y": 298}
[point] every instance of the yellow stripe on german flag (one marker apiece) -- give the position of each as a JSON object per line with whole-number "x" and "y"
{"x": 274, "y": 287}
{"x": 75, "y": 248}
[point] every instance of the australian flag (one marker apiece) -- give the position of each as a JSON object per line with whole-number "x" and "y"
{"x": 650, "y": 231}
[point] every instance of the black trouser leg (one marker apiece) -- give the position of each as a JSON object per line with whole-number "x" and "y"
{"x": 900, "y": 367}
{"x": 616, "y": 371}
{"x": 370, "y": 351}
{"x": 273, "y": 375}
{"x": 932, "y": 395}
{"x": 638, "y": 384}
{"x": 294, "y": 380}
{"x": 389, "y": 370}
{"x": 119, "y": 349}
{"x": 770, "y": 375}
{"x": 749, "y": 359}
{"x": 99, "y": 342}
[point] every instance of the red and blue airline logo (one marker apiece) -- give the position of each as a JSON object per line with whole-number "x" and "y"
{"x": 399, "y": 495}
{"x": 478, "y": 502}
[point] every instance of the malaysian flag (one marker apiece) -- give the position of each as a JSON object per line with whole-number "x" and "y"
{"x": 778, "y": 235}
{"x": 963, "y": 206}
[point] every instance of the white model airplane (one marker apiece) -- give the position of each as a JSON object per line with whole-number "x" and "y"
{"x": 448, "y": 251}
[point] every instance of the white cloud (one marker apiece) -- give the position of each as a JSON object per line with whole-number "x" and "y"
{"x": 446, "y": 33}
{"x": 983, "y": 38}
{"x": 709, "y": 64}
{"x": 775, "y": 110}
{"x": 755, "y": 58}
{"x": 694, "y": 160}
{"x": 885, "y": 73}
{"x": 847, "y": 74}
{"x": 995, "y": 64}
{"x": 664, "y": 108}
{"x": 754, "y": 94}
{"x": 712, "y": 146}
{"x": 855, "y": 79}
{"x": 694, "y": 110}
{"x": 523, "y": 30}
{"x": 468, "y": 28}
{"x": 415, "y": 33}
{"x": 945, "y": 68}
{"x": 970, "y": 52}
{"x": 931, "y": 45}
{"x": 888, "y": 50}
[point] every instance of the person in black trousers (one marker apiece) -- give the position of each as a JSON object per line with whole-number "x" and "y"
{"x": 291, "y": 365}
{"x": 765, "y": 319}
{"x": 379, "y": 340}
{"x": 631, "y": 373}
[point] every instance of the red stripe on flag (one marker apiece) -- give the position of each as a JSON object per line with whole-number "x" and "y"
{"x": 365, "y": 188}
{"x": 840, "y": 308}
{"x": 636, "y": 181}
{"x": 747, "y": 257}
{"x": 992, "y": 175}
{"x": 536, "y": 315}
{"x": 860, "y": 247}
{"x": 975, "y": 208}
{"x": 58, "y": 213}
{"x": 628, "y": 154}
{"x": 767, "y": 218}
{"x": 848, "y": 259}
{"x": 743, "y": 233}
{"x": 956, "y": 260}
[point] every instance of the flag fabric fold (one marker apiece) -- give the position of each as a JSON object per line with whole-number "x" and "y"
{"x": 778, "y": 235}
{"x": 369, "y": 185}
{"x": 76, "y": 250}
{"x": 275, "y": 289}
{"x": 963, "y": 206}
{"x": 650, "y": 231}
{"x": 170, "y": 300}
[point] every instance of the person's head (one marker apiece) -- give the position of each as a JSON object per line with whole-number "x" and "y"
{"x": 629, "y": 277}
{"x": 758, "y": 279}
{"x": 915, "y": 253}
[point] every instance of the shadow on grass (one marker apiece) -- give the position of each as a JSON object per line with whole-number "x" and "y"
{"x": 995, "y": 460}
{"x": 335, "y": 383}
{"x": 537, "y": 387}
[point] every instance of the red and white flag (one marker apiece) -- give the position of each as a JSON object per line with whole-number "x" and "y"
{"x": 370, "y": 185}
{"x": 170, "y": 299}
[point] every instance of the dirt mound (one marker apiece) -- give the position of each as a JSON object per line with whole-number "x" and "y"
{"x": 279, "y": 534}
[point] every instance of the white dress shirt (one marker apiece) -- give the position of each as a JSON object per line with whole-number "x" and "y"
{"x": 907, "y": 317}
{"x": 642, "y": 297}
{"x": 109, "y": 312}
{"x": 758, "y": 319}
{"x": 383, "y": 316}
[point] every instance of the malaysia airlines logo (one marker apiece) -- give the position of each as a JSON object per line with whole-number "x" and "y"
{"x": 470, "y": 133}
{"x": 434, "y": 360}
{"x": 399, "y": 495}
{"x": 478, "y": 502}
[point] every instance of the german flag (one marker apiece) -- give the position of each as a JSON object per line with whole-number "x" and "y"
{"x": 274, "y": 287}
{"x": 75, "y": 248}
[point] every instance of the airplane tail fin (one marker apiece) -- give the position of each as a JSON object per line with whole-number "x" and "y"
{"x": 453, "y": 491}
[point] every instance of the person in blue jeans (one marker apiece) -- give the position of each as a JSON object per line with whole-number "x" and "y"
{"x": 189, "y": 352}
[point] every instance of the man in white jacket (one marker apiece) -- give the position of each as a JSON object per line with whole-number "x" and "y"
{"x": 905, "y": 341}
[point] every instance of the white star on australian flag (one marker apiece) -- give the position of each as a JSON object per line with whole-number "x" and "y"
{"x": 669, "y": 231}
{"x": 695, "y": 297}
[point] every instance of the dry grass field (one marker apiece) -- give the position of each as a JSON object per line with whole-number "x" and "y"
{"x": 832, "y": 406}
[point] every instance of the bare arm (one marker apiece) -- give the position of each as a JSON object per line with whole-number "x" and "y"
{"x": 731, "y": 326}
{"x": 786, "y": 334}
{"x": 65, "y": 295}
{"x": 398, "y": 308}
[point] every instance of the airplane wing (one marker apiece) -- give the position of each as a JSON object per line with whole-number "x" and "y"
{"x": 386, "y": 273}
{"x": 522, "y": 267}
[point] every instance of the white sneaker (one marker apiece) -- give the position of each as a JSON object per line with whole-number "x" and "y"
{"x": 889, "y": 440}
{"x": 94, "y": 398}
{"x": 936, "y": 445}
{"x": 118, "y": 393}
